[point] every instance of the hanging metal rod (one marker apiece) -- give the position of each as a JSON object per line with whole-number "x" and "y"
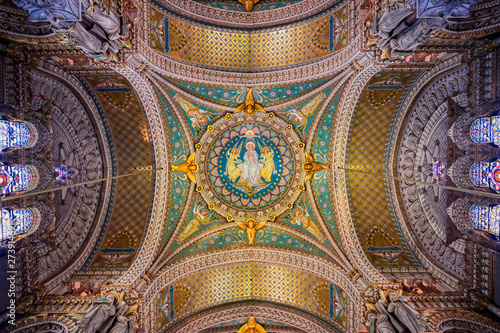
{"x": 24, "y": 195}
{"x": 486, "y": 194}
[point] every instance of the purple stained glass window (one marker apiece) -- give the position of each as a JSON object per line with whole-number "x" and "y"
{"x": 485, "y": 218}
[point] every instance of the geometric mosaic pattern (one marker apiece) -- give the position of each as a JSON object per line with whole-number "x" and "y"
{"x": 370, "y": 205}
{"x": 133, "y": 194}
{"x": 245, "y": 50}
{"x": 255, "y": 282}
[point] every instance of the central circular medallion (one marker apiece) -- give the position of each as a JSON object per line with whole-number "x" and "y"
{"x": 250, "y": 166}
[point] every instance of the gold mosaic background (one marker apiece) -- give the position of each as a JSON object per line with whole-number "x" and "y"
{"x": 254, "y": 282}
{"x": 370, "y": 204}
{"x": 129, "y": 216}
{"x": 236, "y": 49}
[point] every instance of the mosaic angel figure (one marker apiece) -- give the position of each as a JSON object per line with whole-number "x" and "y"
{"x": 189, "y": 168}
{"x": 201, "y": 216}
{"x": 251, "y": 227}
{"x": 248, "y": 4}
{"x": 252, "y": 327}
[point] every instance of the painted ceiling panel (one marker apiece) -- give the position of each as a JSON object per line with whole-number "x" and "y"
{"x": 179, "y": 184}
{"x": 322, "y": 180}
{"x": 371, "y": 208}
{"x": 252, "y": 282}
{"x": 264, "y": 96}
{"x": 247, "y": 50}
{"x": 128, "y": 219}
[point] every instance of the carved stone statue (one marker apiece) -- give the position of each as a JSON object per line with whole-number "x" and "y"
{"x": 99, "y": 34}
{"x": 101, "y": 312}
{"x": 404, "y": 313}
{"x": 379, "y": 323}
{"x": 125, "y": 323}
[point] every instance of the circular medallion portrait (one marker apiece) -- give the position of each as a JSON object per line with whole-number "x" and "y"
{"x": 250, "y": 164}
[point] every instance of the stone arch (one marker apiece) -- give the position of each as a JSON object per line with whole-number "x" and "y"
{"x": 301, "y": 322}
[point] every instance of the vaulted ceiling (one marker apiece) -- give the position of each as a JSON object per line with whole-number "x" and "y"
{"x": 329, "y": 119}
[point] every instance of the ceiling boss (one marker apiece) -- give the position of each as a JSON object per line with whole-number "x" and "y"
{"x": 250, "y": 166}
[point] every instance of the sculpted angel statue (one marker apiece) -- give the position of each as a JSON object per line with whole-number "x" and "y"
{"x": 311, "y": 166}
{"x": 267, "y": 158}
{"x": 251, "y": 227}
{"x": 249, "y": 106}
{"x": 252, "y": 327}
{"x": 248, "y": 4}
{"x": 189, "y": 168}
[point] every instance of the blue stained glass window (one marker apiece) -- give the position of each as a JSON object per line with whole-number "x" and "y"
{"x": 62, "y": 173}
{"x": 486, "y": 218}
{"x": 486, "y": 174}
{"x": 486, "y": 130}
{"x": 18, "y": 221}
{"x": 14, "y": 134}
{"x": 17, "y": 178}
{"x": 479, "y": 174}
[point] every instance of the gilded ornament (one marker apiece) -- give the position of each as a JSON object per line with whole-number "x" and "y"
{"x": 252, "y": 327}
{"x": 272, "y": 217}
{"x": 198, "y": 146}
{"x": 311, "y": 166}
{"x": 302, "y": 145}
{"x": 199, "y": 188}
{"x": 210, "y": 128}
{"x": 251, "y": 227}
{"x": 248, "y": 4}
{"x": 189, "y": 168}
{"x": 270, "y": 115}
{"x": 228, "y": 115}
{"x": 249, "y": 106}
{"x": 229, "y": 218}
{"x": 211, "y": 206}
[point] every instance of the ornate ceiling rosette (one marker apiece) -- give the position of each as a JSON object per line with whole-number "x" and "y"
{"x": 250, "y": 167}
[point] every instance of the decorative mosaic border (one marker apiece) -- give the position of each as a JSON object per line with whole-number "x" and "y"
{"x": 199, "y": 12}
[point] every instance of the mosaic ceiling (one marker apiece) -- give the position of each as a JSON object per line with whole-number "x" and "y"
{"x": 264, "y": 138}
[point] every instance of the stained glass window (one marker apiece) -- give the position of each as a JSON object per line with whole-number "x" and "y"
{"x": 18, "y": 221}
{"x": 486, "y": 174}
{"x": 62, "y": 173}
{"x": 17, "y": 134}
{"x": 486, "y": 218}
{"x": 486, "y": 130}
{"x": 17, "y": 178}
